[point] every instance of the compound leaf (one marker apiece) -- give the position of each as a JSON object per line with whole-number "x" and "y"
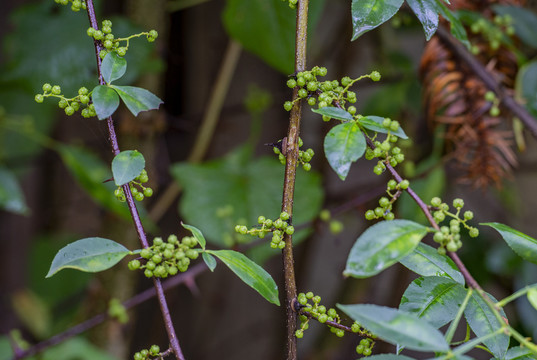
{"x": 427, "y": 13}
{"x": 197, "y": 234}
{"x": 334, "y": 112}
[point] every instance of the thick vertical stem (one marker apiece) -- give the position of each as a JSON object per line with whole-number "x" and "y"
{"x": 174, "y": 343}
{"x": 289, "y": 181}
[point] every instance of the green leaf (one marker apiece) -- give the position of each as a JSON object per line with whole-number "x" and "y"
{"x": 113, "y": 67}
{"x": 210, "y": 261}
{"x": 524, "y": 22}
{"x": 137, "y": 99}
{"x": 266, "y": 28}
{"x": 197, "y": 234}
{"x": 389, "y": 357}
{"x": 483, "y": 322}
{"x": 457, "y": 29}
{"x": 11, "y": 196}
{"x": 434, "y": 299}
{"x": 245, "y": 188}
{"x": 397, "y": 327}
{"x": 249, "y": 272}
{"x": 105, "y": 100}
{"x": 525, "y": 246}
{"x": 126, "y": 166}
{"x": 90, "y": 254}
{"x": 374, "y": 123}
{"x": 532, "y": 297}
{"x": 90, "y": 172}
{"x": 526, "y": 86}
{"x": 426, "y": 261}
{"x": 334, "y": 112}
{"x": 368, "y": 14}
{"x": 427, "y": 13}
{"x": 519, "y": 353}
{"x": 343, "y": 145}
{"x": 382, "y": 245}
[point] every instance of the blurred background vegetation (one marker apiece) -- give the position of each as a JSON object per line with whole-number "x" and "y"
{"x": 221, "y": 68}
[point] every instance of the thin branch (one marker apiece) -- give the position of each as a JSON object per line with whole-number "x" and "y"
{"x": 289, "y": 180}
{"x": 100, "y": 318}
{"x": 174, "y": 343}
{"x": 482, "y": 73}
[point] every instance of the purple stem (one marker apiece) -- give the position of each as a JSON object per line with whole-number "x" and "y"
{"x": 174, "y": 343}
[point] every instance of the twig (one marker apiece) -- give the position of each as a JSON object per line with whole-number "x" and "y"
{"x": 100, "y": 318}
{"x": 482, "y": 73}
{"x": 289, "y": 180}
{"x": 174, "y": 343}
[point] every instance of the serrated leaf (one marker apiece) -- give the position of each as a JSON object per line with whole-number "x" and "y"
{"x": 374, "y": 123}
{"x": 523, "y": 20}
{"x": 483, "y": 322}
{"x": 397, "y": 327}
{"x": 137, "y": 99}
{"x": 427, "y": 13}
{"x": 249, "y": 272}
{"x": 334, "y": 112}
{"x": 105, "y": 100}
{"x": 382, "y": 245}
{"x": 126, "y": 166}
{"x": 11, "y": 195}
{"x": 197, "y": 234}
{"x": 113, "y": 67}
{"x": 525, "y": 246}
{"x": 90, "y": 254}
{"x": 532, "y": 297}
{"x": 434, "y": 299}
{"x": 368, "y": 14}
{"x": 343, "y": 145}
{"x": 210, "y": 260}
{"x": 426, "y": 261}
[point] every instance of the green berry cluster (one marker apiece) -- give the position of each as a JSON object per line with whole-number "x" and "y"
{"x": 117, "y": 310}
{"x": 138, "y": 190}
{"x": 69, "y": 105}
{"x": 304, "y": 157}
{"x": 278, "y": 228}
{"x": 165, "y": 258}
{"x": 384, "y": 210}
{"x": 152, "y": 352}
{"x": 335, "y": 226}
{"x": 494, "y": 32}
{"x": 76, "y": 5}
{"x": 311, "y": 308}
{"x": 325, "y": 93}
{"x": 495, "y": 108}
{"x": 292, "y": 3}
{"x": 449, "y": 237}
{"x": 111, "y": 43}
{"x": 385, "y": 150}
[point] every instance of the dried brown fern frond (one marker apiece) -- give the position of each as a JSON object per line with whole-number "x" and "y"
{"x": 481, "y": 144}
